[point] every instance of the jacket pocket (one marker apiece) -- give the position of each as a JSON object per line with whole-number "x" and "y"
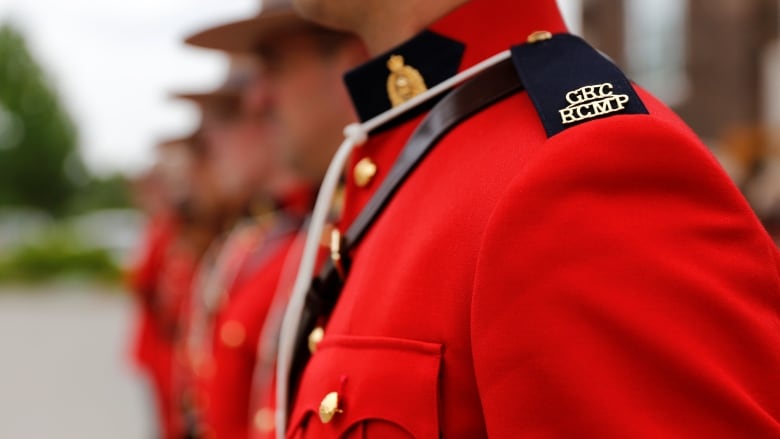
{"x": 373, "y": 387}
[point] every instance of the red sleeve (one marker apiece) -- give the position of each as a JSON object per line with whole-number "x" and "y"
{"x": 144, "y": 274}
{"x": 624, "y": 289}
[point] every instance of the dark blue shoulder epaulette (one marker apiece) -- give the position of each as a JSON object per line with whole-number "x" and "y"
{"x": 571, "y": 83}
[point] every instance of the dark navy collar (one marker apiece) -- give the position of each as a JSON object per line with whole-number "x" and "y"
{"x": 435, "y": 56}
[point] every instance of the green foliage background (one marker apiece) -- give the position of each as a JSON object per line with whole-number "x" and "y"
{"x": 58, "y": 255}
{"x": 39, "y": 164}
{"x": 40, "y": 169}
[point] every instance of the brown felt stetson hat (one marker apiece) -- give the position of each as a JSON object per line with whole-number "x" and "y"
{"x": 176, "y": 142}
{"x": 229, "y": 93}
{"x": 273, "y": 18}
{"x": 192, "y": 142}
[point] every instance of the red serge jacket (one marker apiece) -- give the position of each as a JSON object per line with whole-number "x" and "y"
{"x": 607, "y": 281}
{"x": 226, "y": 392}
{"x": 238, "y": 326}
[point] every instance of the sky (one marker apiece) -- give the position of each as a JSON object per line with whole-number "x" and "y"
{"x": 115, "y": 64}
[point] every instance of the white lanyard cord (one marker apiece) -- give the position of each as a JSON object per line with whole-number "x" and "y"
{"x": 356, "y": 135}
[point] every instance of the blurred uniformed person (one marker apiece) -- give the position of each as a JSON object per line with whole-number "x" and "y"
{"x": 182, "y": 221}
{"x": 235, "y": 153}
{"x": 298, "y": 83}
{"x": 151, "y": 346}
{"x": 293, "y": 101}
{"x": 545, "y": 251}
{"x": 263, "y": 205}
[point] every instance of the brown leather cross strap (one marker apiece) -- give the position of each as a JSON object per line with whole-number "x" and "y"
{"x": 483, "y": 90}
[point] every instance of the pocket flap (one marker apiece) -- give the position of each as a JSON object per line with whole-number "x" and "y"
{"x": 376, "y": 379}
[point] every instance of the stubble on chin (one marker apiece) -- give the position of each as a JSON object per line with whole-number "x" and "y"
{"x": 335, "y": 14}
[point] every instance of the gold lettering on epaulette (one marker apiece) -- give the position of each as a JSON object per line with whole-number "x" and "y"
{"x": 592, "y": 101}
{"x": 404, "y": 82}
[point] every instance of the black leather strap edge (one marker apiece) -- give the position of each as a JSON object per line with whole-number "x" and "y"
{"x": 487, "y": 88}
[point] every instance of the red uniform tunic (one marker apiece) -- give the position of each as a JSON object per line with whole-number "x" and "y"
{"x": 162, "y": 280}
{"x": 608, "y": 281}
{"x": 223, "y": 272}
{"x": 226, "y": 393}
{"x": 234, "y": 348}
{"x": 175, "y": 290}
{"x": 142, "y": 279}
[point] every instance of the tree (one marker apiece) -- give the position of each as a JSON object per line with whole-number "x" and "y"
{"x": 38, "y": 139}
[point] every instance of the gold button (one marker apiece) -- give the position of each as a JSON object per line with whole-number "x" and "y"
{"x": 202, "y": 364}
{"x": 327, "y": 235}
{"x": 364, "y": 172}
{"x": 232, "y": 334}
{"x": 315, "y": 337}
{"x": 329, "y": 407}
{"x": 206, "y": 431}
{"x": 336, "y": 242}
{"x": 264, "y": 420}
{"x": 538, "y": 36}
{"x": 206, "y": 369}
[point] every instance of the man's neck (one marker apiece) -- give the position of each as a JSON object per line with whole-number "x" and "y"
{"x": 392, "y": 26}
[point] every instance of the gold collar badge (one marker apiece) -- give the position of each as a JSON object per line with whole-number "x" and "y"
{"x": 404, "y": 82}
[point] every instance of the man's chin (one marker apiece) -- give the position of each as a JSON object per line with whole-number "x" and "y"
{"x": 320, "y": 12}
{"x": 309, "y": 9}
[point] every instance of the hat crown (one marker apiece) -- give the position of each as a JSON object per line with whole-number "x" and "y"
{"x": 275, "y": 5}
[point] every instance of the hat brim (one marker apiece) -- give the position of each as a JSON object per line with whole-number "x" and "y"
{"x": 205, "y": 98}
{"x": 186, "y": 141}
{"x": 245, "y": 36}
